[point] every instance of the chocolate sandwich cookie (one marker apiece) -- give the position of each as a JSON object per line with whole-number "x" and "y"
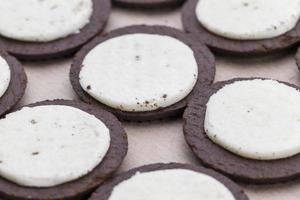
{"x": 47, "y": 29}
{"x": 64, "y": 151}
{"x": 148, "y": 3}
{"x": 141, "y": 72}
{"x": 13, "y": 82}
{"x": 231, "y": 26}
{"x": 247, "y": 129}
{"x": 169, "y": 181}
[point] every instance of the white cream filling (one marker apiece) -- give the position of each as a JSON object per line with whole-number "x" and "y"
{"x": 173, "y": 184}
{"x": 43, "y": 20}
{"x": 248, "y": 19}
{"x": 5, "y": 76}
{"x": 46, "y": 146}
{"x": 139, "y": 72}
{"x": 258, "y": 119}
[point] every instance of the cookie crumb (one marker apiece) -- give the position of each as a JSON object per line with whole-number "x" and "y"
{"x": 33, "y": 121}
{"x": 54, "y": 7}
{"x": 137, "y": 58}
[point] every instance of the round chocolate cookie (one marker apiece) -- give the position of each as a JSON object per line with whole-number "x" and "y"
{"x": 31, "y": 46}
{"x": 148, "y": 3}
{"x": 241, "y": 47}
{"x": 140, "y": 82}
{"x": 74, "y": 136}
{"x": 15, "y": 89}
{"x": 108, "y": 190}
{"x": 253, "y": 165}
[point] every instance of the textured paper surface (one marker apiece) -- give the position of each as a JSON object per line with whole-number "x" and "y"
{"x": 162, "y": 141}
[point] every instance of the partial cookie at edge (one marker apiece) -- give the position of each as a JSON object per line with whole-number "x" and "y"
{"x": 104, "y": 191}
{"x": 212, "y": 155}
{"x": 17, "y": 85}
{"x": 78, "y": 189}
{"x": 61, "y": 47}
{"x": 236, "y": 47}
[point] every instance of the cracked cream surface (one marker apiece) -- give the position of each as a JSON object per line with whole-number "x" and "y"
{"x": 5, "y": 76}
{"x": 43, "y": 20}
{"x": 257, "y": 119}
{"x": 139, "y": 72}
{"x": 172, "y": 184}
{"x": 46, "y": 146}
{"x": 248, "y": 19}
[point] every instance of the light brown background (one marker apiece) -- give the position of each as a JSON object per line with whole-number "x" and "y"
{"x": 162, "y": 141}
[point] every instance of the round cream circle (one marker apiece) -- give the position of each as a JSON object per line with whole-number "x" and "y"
{"x": 43, "y": 20}
{"x": 172, "y": 184}
{"x": 248, "y": 19}
{"x": 45, "y": 146}
{"x": 5, "y": 76}
{"x": 139, "y": 72}
{"x": 257, "y": 119}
